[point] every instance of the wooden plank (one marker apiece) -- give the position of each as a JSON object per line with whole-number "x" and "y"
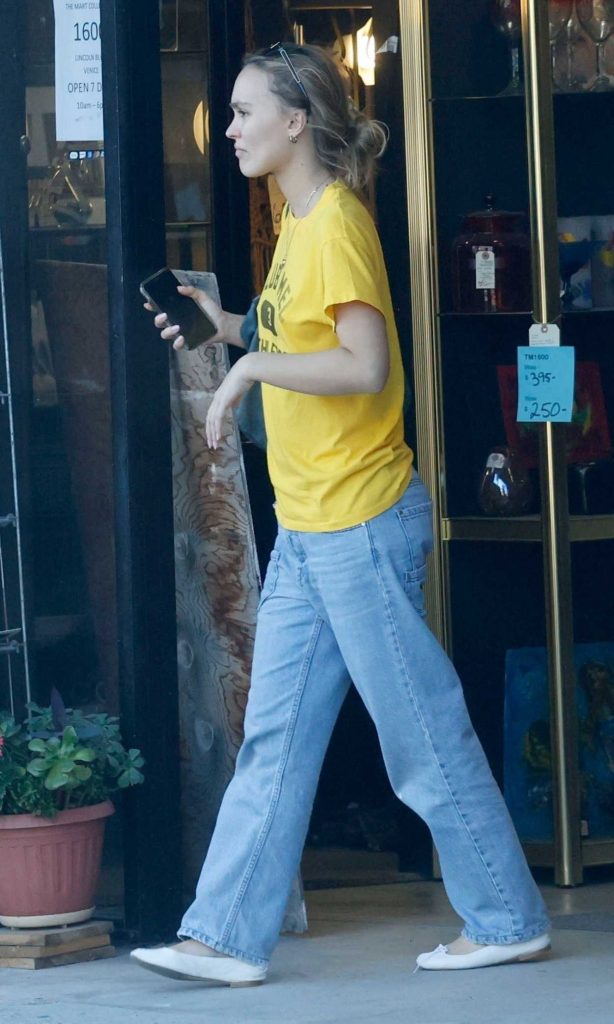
{"x": 59, "y": 959}
{"x": 93, "y": 942}
{"x": 217, "y": 589}
{"x": 53, "y": 936}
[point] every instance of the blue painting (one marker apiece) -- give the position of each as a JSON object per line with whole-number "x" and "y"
{"x": 527, "y": 753}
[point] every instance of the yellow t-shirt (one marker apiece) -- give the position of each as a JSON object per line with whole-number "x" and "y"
{"x": 334, "y": 460}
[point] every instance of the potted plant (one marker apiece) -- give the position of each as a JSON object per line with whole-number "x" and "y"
{"x": 58, "y": 769}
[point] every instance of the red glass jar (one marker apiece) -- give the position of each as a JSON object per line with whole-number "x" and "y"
{"x": 491, "y": 262}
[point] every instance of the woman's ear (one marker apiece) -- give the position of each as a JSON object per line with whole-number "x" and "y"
{"x": 297, "y": 122}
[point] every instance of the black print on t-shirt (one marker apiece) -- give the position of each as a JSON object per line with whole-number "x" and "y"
{"x": 267, "y": 316}
{"x": 279, "y": 283}
{"x": 269, "y": 346}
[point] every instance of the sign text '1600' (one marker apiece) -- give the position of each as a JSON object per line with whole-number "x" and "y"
{"x": 86, "y": 31}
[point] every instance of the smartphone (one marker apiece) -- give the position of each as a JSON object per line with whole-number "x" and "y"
{"x": 160, "y": 290}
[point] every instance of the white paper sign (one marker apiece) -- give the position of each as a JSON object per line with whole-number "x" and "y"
{"x": 544, "y": 335}
{"x": 484, "y": 267}
{"x": 78, "y": 71}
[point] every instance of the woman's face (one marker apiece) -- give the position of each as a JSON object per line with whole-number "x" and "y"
{"x": 260, "y": 126}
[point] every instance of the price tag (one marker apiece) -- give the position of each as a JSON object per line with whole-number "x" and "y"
{"x": 484, "y": 267}
{"x": 544, "y": 334}
{"x": 545, "y": 384}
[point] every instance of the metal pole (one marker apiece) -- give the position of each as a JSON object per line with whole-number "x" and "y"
{"x": 414, "y": 32}
{"x": 555, "y": 520}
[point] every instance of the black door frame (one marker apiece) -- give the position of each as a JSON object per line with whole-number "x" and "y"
{"x": 15, "y": 340}
{"x": 229, "y": 190}
{"x": 142, "y": 463}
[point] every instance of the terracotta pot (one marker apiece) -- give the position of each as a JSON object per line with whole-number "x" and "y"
{"x": 50, "y": 866}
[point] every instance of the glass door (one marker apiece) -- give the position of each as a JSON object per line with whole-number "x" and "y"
{"x": 525, "y": 510}
{"x": 59, "y": 587}
{"x": 73, "y": 559}
{"x": 85, "y": 464}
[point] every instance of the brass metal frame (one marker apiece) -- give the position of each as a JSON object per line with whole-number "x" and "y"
{"x": 553, "y": 467}
{"x": 424, "y": 290}
{"x": 520, "y": 529}
{"x": 554, "y": 528}
{"x": 524, "y": 528}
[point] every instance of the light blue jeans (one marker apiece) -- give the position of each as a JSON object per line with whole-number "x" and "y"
{"x": 335, "y": 606}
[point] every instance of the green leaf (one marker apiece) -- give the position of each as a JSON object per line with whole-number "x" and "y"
{"x": 84, "y": 754}
{"x": 38, "y": 746}
{"x": 57, "y": 777}
{"x": 130, "y": 777}
{"x": 9, "y": 728}
{"x": 80, "y": 766}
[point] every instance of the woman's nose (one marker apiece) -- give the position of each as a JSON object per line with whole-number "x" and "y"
{"x": 231, "y": 131}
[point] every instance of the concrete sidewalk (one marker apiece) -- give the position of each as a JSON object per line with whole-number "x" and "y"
{"x": 356, "y": 965}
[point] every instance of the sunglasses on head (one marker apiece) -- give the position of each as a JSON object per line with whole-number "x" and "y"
{"x": 283, "y": 53}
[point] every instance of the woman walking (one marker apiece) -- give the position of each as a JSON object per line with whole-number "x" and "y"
{"x": 342, "y": 598}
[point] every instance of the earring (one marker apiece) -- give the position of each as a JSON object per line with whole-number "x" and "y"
{"x": 293, "y": 139}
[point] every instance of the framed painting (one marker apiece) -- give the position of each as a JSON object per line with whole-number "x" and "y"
{"x": 588, "y": 434}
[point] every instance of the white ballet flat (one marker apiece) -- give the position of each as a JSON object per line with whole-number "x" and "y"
{"x": 187, "y": 967}
{"x": 486, "y": 956}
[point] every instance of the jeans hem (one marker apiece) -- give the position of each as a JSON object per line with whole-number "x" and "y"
{"x": 220, "y": 947}
{"x": 487, "y": 939}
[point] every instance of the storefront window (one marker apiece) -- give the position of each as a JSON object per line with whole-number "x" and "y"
{"x": 74, "y": 641}
{"x": 187, "y": 190}
{"x": 184, "y": 44}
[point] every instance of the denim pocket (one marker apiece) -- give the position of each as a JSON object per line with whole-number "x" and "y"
{"x": 415, "y": 592}
{"x": 271, "y": 577}
{"x": 417, "y": 526}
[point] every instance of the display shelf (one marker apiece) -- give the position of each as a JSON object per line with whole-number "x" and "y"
{"x": 523, "y": 529}
{"x": 452, "y": 315}
{"x": 435, "y": 100}
{"x": 561, "y": 99}
{"x": 593, "y": 312}
{"x": 517, "y": 314}
{"x": 589, "y": 528}
{"x": 509, "y": 582}
{"x": 595, "y": 853}
{"x": 486, "y": 528}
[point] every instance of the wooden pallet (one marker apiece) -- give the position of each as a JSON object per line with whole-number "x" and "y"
{"x": 31, "y": 949}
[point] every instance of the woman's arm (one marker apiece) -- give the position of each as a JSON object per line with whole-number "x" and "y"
{"x": 359, "y": 365}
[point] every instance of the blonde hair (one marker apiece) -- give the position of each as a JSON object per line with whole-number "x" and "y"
{"x": 346, "y": 141}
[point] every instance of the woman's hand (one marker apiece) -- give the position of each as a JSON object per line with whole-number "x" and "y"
{"x": 228, "y": 324}
{"x": 170, "y": 332}
{"x": 236, "y": 383}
